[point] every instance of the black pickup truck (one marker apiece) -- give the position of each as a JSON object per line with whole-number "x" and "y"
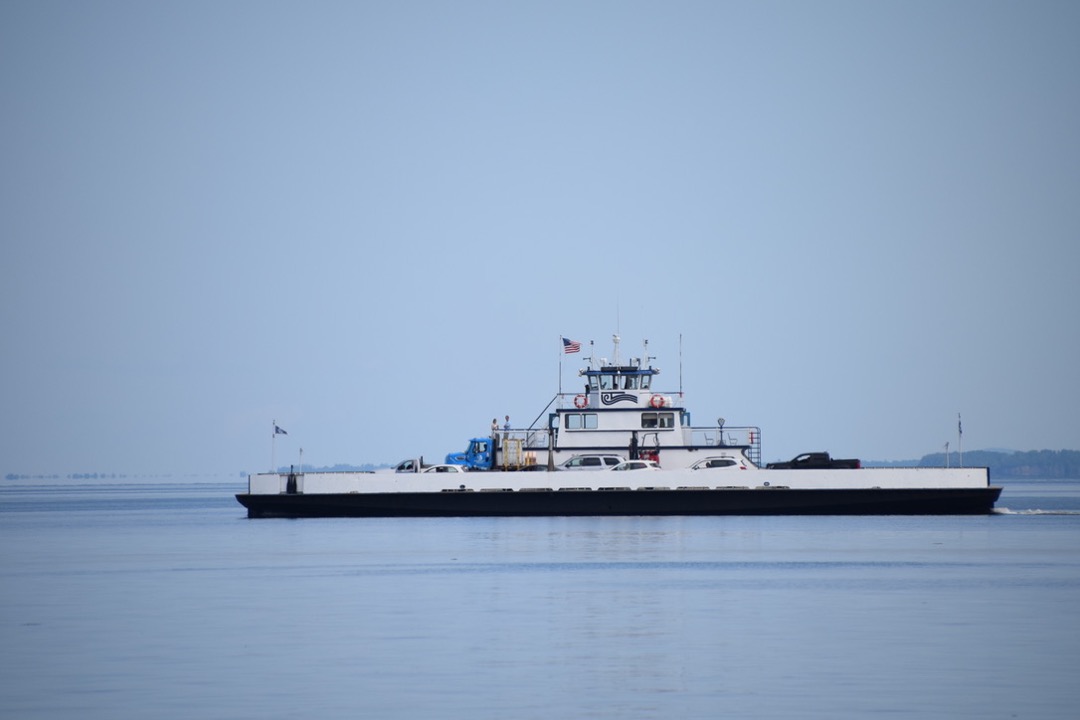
{"x": 816, "y": 460}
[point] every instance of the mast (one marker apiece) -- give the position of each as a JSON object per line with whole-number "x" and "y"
{"x": 562, "y": 351}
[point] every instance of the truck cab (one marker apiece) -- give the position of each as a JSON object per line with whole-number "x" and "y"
{"x": 478, "y": 456}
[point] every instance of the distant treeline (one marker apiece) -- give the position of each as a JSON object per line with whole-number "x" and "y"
{"x": 340, "y": 467}
{"x": 118, "y": 476}
{"x": 1048, "y": 464}
{"x": 71, "y": 476}
{"x": 1044, "y": 464}
{"x": 102, "y": 476}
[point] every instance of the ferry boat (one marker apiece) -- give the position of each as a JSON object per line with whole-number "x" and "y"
{"x": 619, "y": 413}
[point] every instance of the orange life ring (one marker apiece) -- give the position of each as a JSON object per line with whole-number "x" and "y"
{"x": 657, "y": 401}
{"x": 581, "y": 401}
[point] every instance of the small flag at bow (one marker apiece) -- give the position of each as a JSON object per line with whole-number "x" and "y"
{"x": 569, "y": 346}
{"x": 279, "y": 431}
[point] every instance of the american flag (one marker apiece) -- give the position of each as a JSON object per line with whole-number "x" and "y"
{"x": 570, "y": 346}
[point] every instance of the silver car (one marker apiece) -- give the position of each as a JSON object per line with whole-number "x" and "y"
{"x": 591, "y": 462}
{"x": 637, "y": 465}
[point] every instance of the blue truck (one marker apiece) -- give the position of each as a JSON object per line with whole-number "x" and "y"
{"x": 479, "y": 455}
{"x": 505, "y": 453}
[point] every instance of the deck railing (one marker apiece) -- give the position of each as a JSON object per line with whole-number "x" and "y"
{"x": 748, "y": 437}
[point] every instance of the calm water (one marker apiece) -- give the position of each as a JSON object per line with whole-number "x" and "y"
{"x": 163, "y": 601}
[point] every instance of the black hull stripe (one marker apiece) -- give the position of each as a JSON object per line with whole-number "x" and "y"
{"x": 769, "y": 501}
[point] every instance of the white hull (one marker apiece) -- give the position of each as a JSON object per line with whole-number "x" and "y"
{"x": 389, "y": 482}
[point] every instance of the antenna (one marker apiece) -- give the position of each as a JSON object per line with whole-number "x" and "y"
{"x": 680, "y": 365}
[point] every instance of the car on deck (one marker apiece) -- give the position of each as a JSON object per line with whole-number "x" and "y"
{"x": 721, "y": 462}
{"x": 597, "y": 461}
{"x": 636, "y": 465}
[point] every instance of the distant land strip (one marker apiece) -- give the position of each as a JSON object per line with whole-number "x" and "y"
{"x": 1042, "y": 464}
{"x": 1003, "y": 464}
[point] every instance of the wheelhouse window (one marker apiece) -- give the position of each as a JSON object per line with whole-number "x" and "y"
{"x": 619, "y": 381}
{"x": 660, "y": 420}
{"x": 581, "y": 421}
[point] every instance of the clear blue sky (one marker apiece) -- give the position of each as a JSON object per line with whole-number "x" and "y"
{"x": 373, "y": 221}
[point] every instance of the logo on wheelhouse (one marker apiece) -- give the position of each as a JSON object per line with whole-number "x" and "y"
{"x": 610, "y": 398}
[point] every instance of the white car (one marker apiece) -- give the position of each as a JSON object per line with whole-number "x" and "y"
{"x": 720, "y": 462}
{"x": 636, "y": 465}
{"x": 446, "y": 469}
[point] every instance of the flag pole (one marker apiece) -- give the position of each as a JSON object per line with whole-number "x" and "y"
{"x": 561, "y": 353}
{"x": 274, "y": 432}
{"x": 960, "y": 438}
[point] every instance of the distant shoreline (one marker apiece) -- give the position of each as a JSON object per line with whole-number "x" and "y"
{"x": 1033, "y": 464}
{"x": 1041, "y": 464}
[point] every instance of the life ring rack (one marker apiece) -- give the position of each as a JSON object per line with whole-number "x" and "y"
{"x": 657, "y": 401}
{"x": 581, "y": 401}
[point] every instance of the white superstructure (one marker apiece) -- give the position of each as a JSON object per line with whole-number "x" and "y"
{"x": 621, "y": 409}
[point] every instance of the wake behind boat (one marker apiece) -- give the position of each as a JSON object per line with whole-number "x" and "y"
{"x": 649, "y": 459}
